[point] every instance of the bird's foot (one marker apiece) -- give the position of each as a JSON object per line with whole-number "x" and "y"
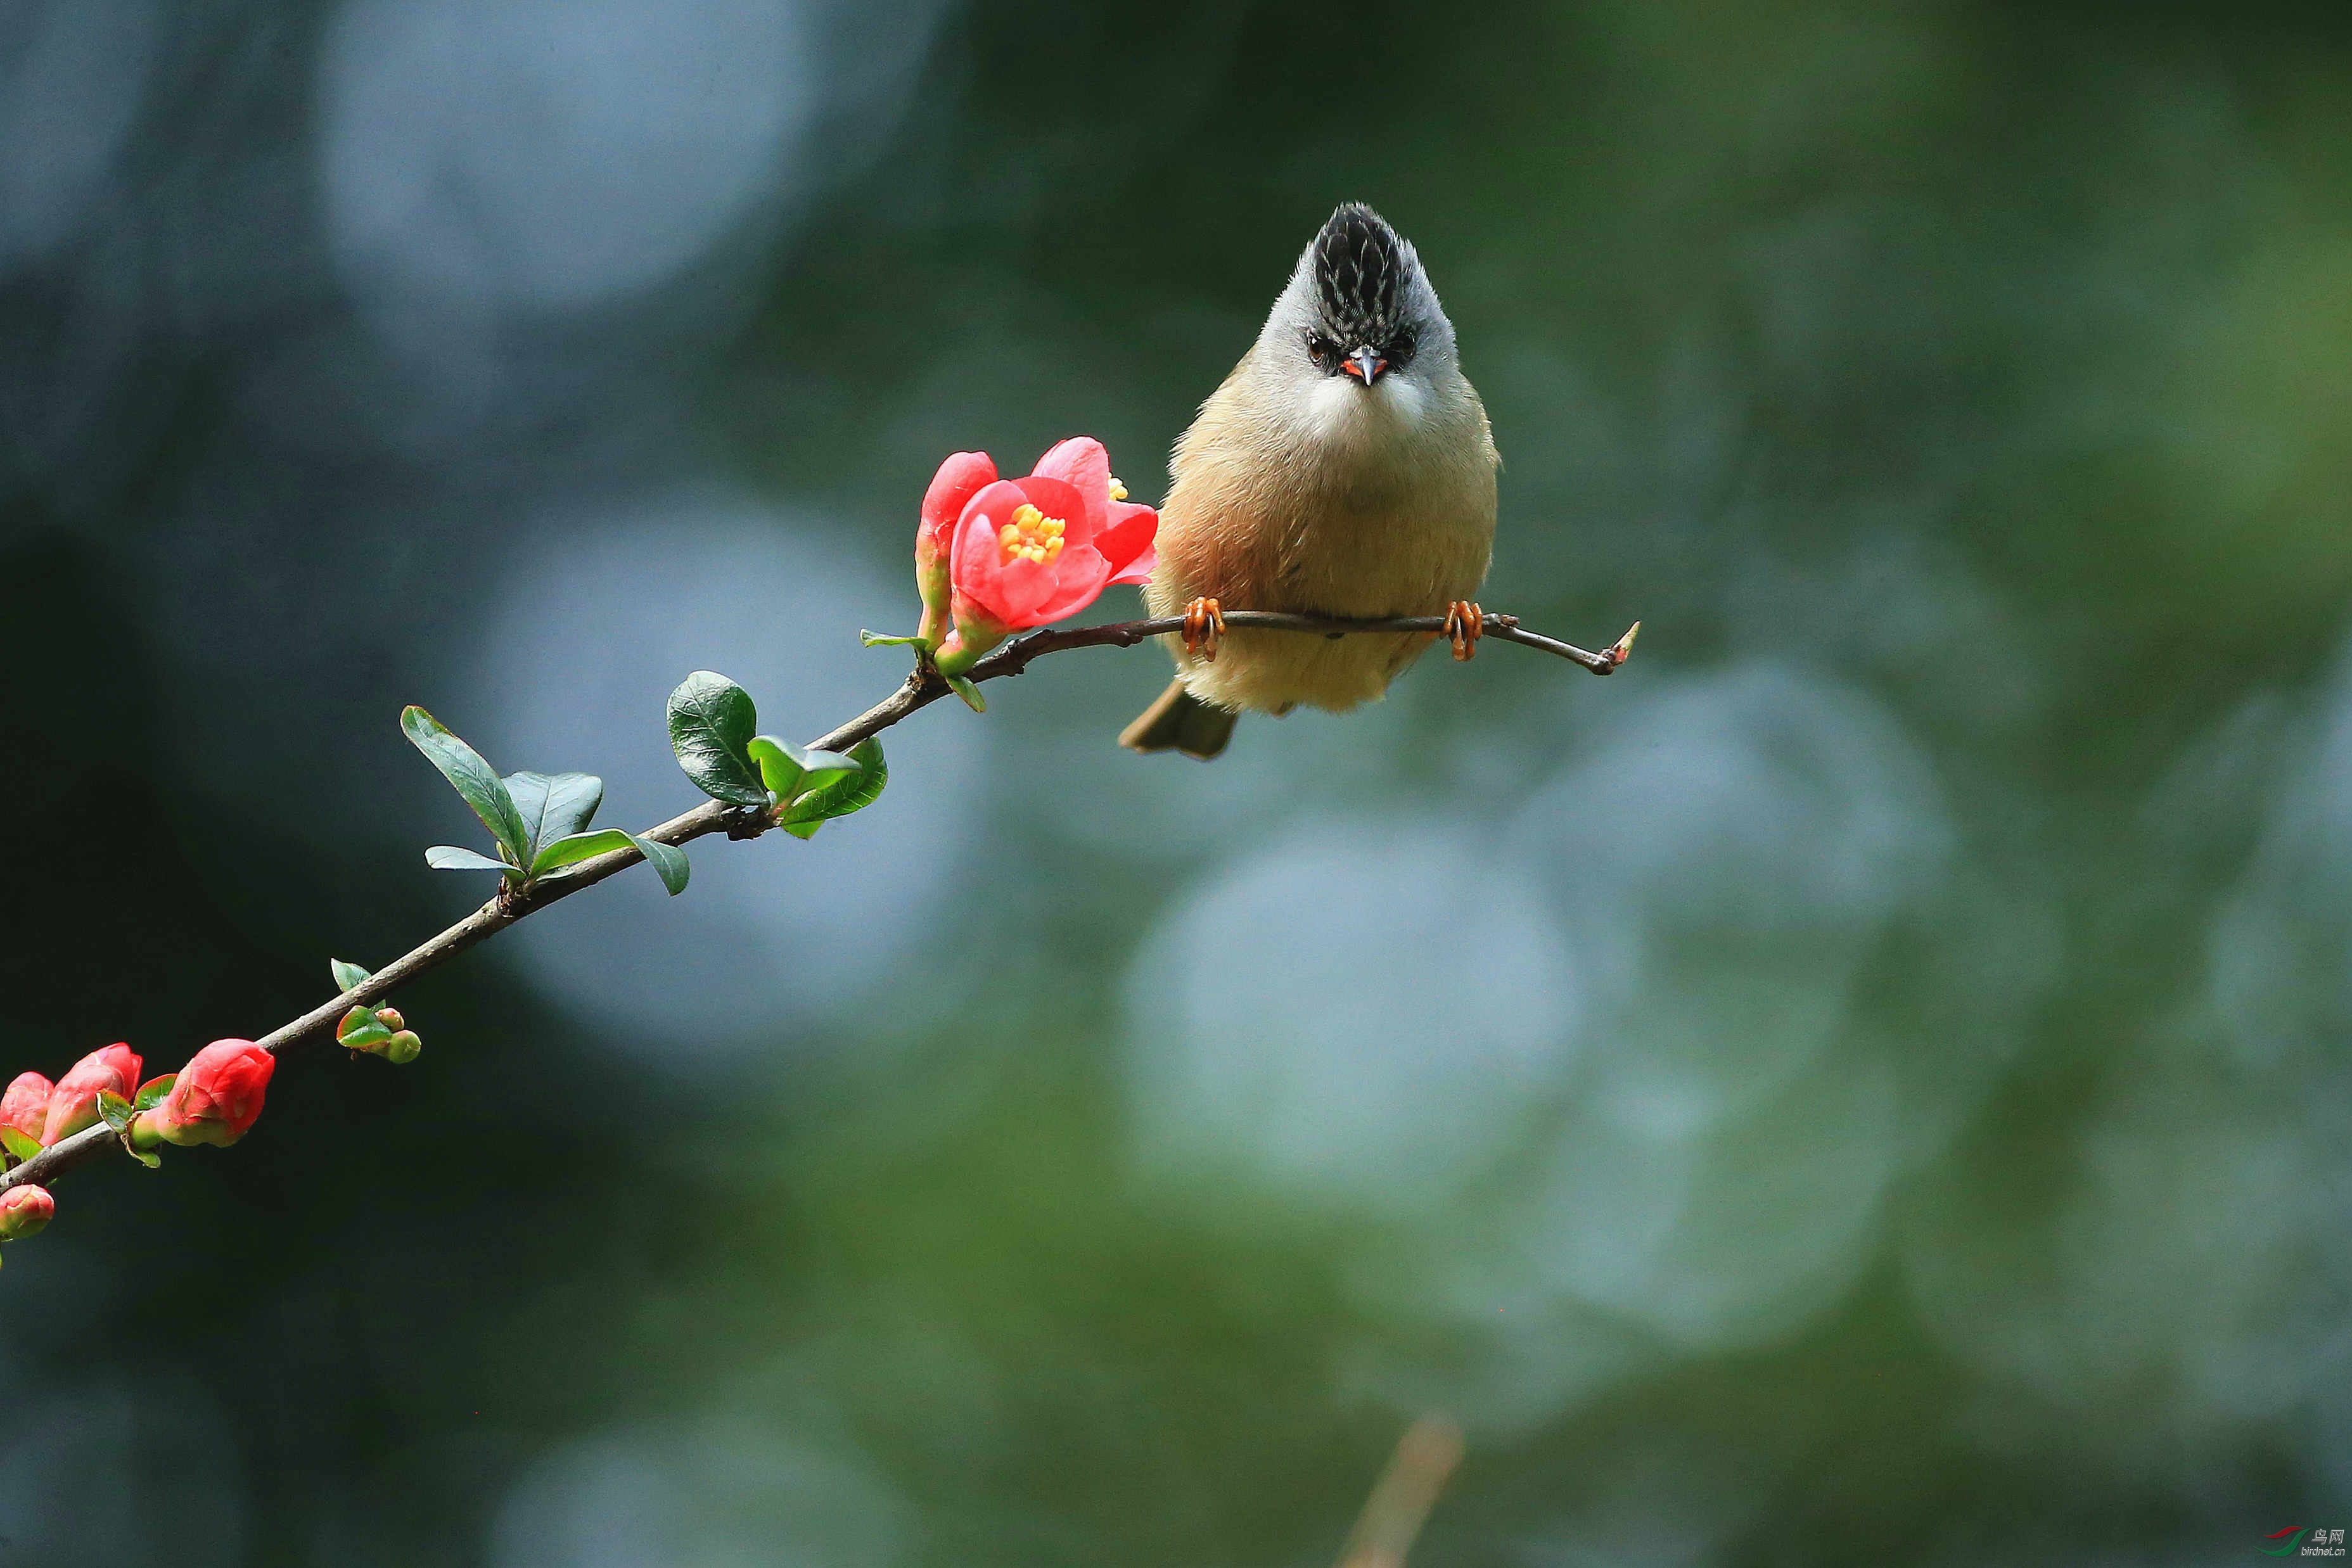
{"x": 1464, "y": 622}
{"x": 1205, "y": 623}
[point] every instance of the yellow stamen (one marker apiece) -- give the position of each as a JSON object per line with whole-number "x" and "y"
{"x": 1118, "y": 490}
{"x": 1031, "y": 535}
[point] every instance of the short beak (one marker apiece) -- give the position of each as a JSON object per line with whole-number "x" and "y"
{"x": 1365, "y": 365}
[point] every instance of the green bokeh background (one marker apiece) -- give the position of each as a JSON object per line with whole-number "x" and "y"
{"x": 1866, "y": 1084}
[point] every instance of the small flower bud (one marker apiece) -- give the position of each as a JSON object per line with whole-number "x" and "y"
{"x": 217, "y": 1096}
{"x": 960, "y": 478}
{"x": 26, "y": 1106}
{"x": 401, "y": 1048}
{"x": 392, "y": 1019}
{"x": 73, "y": 1105}
{"x": 24, "y": 1210}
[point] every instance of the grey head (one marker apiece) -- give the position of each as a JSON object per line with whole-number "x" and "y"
{"x": 1360, "y": 305}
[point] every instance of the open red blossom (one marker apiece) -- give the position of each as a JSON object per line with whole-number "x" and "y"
{"x": 217, "y": 1096}
{"x": 960, "y": 478}
{"x": 1126, "y": 531}
{"x": 26, "y": 1106}
{"x": 73, "y": 1103}
{"x": 24, "y": 1210}
{"x": 1030, "y": 551}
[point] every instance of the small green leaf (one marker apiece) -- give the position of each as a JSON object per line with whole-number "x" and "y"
{"x": 840, "y": 795}
{"x": 577, "y": 847}
{"x": 820, "y": 763}
{"x": 450, "y": 857}
{"x": 348, "y": 976}
{"x": 876, "y": 640}
{"x": 961, "y": 685}
{"x": 114, "y": 1109}
{"x": 361, "y": 1029}
{"x": 668, "y": 859}
{"x": 779, "y": 767}
{"x": 153, "y": 1093}
{"x": 553, "y": 806}
{"x": 152, "y": 1161}
{"x": 788, "y": 771}
{"x": 21, "y": 1144}
{"x": 473, "y": 779}
{"x": 710, "y": 723}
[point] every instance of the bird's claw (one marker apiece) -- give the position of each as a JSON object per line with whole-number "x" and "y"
{"x": 1205, "y": 623}
{"x": 1464, "y": 623}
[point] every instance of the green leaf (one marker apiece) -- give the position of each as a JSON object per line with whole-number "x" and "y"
{"x": 153, "y": 1162}
{"x": 553, "y": 806}
{"x": 114, "y": 1109}
{"x": 473, "y": 779}
{"x": 961, "y": 685}
{"x": 577, "y": 847}
{"x": 450, "y": 857}
{"x": 841, "y": 794}
{"x": 876, "y": 640}
{"x": 21, "y": 1144}
{"x": 152, "y": 1092}
{"x": 710, "y": 723}
{"x": 348, "y": 976}
{"x": 788, "y": 770}
{"x": 779, "y": 767}
{"x": 668, "y": 859}
{"x": 364, "y": 1035}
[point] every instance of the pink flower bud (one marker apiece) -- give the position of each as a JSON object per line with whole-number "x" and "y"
{"x": 217, "y": 1097}
{"x": 24, "y": 1210}
{"x": 73, "y": 1103}
{"x": 959, "y": 479}
{"x": 26, "y": 1106}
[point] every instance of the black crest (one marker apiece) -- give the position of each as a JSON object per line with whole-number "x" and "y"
{"x": 1360, "y": 269}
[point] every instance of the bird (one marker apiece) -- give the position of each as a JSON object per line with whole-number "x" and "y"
{"x": 1344, "y": 469}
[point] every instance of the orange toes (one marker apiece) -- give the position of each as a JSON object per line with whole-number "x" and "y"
{"x": 1205, "y": 623}
{"x": 1464, "y": 623}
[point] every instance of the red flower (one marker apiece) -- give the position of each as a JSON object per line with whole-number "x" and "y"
{"x": 217, "y": 1097}
{"x": 26, "y": 1106}
{"x": 1030, "y": 551}
{"x": 73, "y": 1103}
{"x": 24, "y": 1210}
{"x": 959, "y": 479}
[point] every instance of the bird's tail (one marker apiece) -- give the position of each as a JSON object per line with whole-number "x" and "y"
{"x": 1181, "y": 722}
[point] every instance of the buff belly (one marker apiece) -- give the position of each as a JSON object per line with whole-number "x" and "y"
{"x": 1345, "y": 566}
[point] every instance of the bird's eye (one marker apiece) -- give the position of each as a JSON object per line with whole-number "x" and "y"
{"x": 1401, "y": 347}
{"x": 1324, "y": 352}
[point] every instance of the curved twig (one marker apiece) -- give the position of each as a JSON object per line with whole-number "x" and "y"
{"x": 919, "y": 690}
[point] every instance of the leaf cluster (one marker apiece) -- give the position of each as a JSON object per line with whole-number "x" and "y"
{"x": 539, "y": 821}
{"x": 712, "y": 728}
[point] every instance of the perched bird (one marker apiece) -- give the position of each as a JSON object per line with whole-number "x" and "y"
{"x": 1343, "y": 469}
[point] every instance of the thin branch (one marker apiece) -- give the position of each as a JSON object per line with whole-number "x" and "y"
{"x": 1011, "y": 659}
{"x": 1425, "y": 1459}
{"x": 919, "y": 690}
